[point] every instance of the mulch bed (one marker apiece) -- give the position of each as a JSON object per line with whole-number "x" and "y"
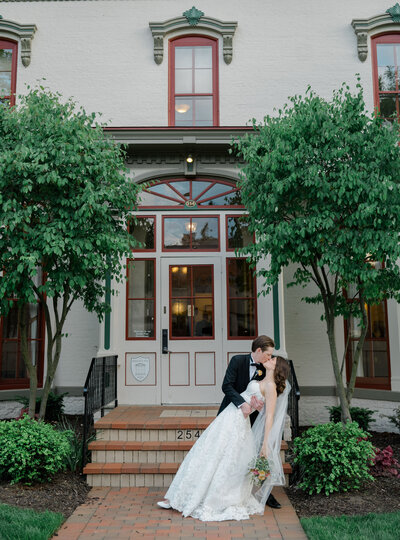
{"x": 66, "y": 491}
{"x": 380, "y": 496}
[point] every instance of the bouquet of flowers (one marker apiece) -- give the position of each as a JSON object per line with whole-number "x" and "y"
{"x": 259, "y": 470}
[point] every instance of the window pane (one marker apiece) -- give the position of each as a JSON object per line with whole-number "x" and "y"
{"x": 9, "y": 359}
{"x": 180, "y": 318}
{"x": 183, "y": 111}
{"x": 202, "y": 281}
{"x": 216, "y": 190}
{"x": 240, "y": 279}
{"x": 205, "y": 233}
{"x": 378, "y": 321}
{"x": 387, "y": 78}
{"x": 202, "y": 81}
{"x": 229, "y": 199}
{"x": 385, "y": 54}
{"x": 5, "y": 59}
{"x": 177, "y": 233}
{"x": 141, "y": 279}
{"x": 374, "y": 361}
{"x": 5, "y": 83}
{"x": 203, "y": 57}
{"x": 180, "y": 281}
{"x": 30, "y": 314}
{"x": 242, "y": 318}
{"x": 183, "y": 81}
{"x": 182, "y": 187}
{"x": 183, "y": 57}
{"x": 199, "y": 187}
{"x": 151, "y": 199}
{"x": 203, "y": 317}
{"x": 203, "y": 111}
{"x": 238, "y": 233}
{"x": 387, "y": 106}
{"x": 143, "y": 232}
{"x": 140, "y": 318}
{"x": 163, "y": 189}
{"x": 10, "y": 324}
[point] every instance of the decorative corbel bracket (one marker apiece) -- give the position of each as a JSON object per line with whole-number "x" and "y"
{"x": 364, "y": 27}
{"x": 20, "y": 32}
{"x": 193, "y": 18}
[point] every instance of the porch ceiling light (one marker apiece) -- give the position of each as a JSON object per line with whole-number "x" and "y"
{"x": 189, "y": 158}
{"x": 182, "y": 108}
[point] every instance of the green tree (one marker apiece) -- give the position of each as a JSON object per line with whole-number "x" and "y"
{"x": 64, "y": 200}
{"x": 321, "y": 184}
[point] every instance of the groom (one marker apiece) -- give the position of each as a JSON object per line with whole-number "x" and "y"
{"x": 241, "y": 370}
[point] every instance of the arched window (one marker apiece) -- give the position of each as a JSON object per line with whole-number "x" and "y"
{"x": 182, "y": 193}
{"x": 8, "y": 71}
{"x": 386, "y": 68}
{"x": 193, "y": 77}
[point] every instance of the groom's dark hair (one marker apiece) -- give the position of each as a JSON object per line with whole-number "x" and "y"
{"x": 262, "y": 342}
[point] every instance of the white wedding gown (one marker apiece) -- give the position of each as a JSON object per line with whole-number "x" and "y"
{"x": 213, "y": 482}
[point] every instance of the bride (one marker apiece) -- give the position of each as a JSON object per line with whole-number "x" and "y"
{"x": 213, "y": 482}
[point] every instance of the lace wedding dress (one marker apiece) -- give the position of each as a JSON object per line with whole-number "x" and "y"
{"x": 213, "y": 483}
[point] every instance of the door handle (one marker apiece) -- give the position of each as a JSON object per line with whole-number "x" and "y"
{"x": 164, "y": 343}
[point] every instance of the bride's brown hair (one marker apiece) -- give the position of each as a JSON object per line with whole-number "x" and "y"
{"x": 281, "y": 373}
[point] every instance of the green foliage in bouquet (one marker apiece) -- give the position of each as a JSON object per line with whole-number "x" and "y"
{"x": 31, "y": 451}
{"x": 362, "y": 416}
{"x": 333, "y": 457}
{"x": 259, "y": 469}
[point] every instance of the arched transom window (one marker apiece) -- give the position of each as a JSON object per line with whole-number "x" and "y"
{"x": 182, "y": 193}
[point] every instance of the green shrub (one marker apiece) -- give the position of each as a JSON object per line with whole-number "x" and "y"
{"x": 333, "y": 457}
{"x": 54, "y": 405}
{"x": 395, "y": 418}
{"x": 73, "y": 459}
{"x": 362, "y": 416}
{"x": 31, "y": 451}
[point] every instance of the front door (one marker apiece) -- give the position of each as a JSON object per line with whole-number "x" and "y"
{"x": 191, "y": 321}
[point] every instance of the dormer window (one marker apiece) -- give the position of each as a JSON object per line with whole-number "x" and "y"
{"x": 193, "y": 79}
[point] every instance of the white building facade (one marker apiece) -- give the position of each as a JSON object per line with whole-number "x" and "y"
{"x": 176, "y": 84}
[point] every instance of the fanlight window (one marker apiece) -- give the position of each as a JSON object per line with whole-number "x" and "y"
{"x": 191, "y": 194}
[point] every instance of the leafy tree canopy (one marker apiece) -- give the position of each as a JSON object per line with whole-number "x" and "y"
{"x": 64, "y": 197}
{"x": 322, "y": 187}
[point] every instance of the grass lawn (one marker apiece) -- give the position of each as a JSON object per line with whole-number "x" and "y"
{"x": 368, "y": 527}
{"x": 22, "y": 524}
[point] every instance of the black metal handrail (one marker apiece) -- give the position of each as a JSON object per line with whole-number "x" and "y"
{"x": 294, "y": 396}
{"x": 100, "y": 389}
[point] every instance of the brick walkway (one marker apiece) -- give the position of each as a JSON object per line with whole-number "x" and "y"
{"x": 132, "y": 513}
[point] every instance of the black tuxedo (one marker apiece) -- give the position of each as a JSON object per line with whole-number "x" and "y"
{"x": 235, "y": 382}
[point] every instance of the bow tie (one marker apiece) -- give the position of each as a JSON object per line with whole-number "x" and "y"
{"x": 254, "y": 363}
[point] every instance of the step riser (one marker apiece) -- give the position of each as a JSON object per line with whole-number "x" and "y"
{"x": 144, "y": 435}
{"x": 138, "y": 456}
{"x": 135, "y": 480}
{"x": 143, "y": 456}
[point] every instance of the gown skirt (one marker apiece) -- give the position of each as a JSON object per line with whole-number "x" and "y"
{"x": 213, "y": 482}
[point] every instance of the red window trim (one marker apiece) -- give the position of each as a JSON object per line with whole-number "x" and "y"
{"x": 392, "y": 37}
{"x": 151, "y": 338}
{"x": 193, "y": 40}
{"x": 10, "y": 44}
{"x": 228, "y": 298}
{"x": 147, "y": 250}
{"x": 192, "y": 298}
{"x": 226, "y": 230}
{"x": 190, "y": 250}
{"x": 23, "y": 382}
{"x": 378, "y": 383}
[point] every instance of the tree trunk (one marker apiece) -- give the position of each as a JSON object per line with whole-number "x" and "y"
{"x": 53, "y": 358}
{"x": 23, "y": 324}
{"x": 344, "y": 404}
{"x": 358, "y": 351}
